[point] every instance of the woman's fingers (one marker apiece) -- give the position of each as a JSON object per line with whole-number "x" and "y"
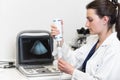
{"x": 54, "y": 30}
{"x": 65, "y": 67}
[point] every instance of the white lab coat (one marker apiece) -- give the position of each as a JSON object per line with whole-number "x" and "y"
{"x": 103, "y": 65}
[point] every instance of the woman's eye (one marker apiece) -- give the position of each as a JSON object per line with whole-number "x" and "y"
{"x": 90, "y": 20}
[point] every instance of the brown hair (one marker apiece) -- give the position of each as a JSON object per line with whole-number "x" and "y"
{"x": 110, "y": 9}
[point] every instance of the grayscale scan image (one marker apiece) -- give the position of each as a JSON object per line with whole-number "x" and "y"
{"x": 38, "y": 48}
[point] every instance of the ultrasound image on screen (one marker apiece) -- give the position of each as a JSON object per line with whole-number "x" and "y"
{"x": 36, "y": 48}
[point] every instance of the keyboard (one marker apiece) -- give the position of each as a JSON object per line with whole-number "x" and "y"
{"x": 39, "y": 70}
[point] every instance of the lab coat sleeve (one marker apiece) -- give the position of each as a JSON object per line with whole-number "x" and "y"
{"x": 79, "y": 75}
{"x": 76, "y": 57}
{"x": 109, "y": 70}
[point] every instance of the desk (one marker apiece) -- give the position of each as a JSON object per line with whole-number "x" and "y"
{"x": 64, "y": 77}
{"x": 14, "y": 74}
{"x": 11, "y": 74}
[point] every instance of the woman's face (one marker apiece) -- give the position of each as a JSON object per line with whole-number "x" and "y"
{"x": 94, "y": 22}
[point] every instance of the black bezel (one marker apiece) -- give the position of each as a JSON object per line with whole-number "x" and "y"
{"x": 34, "y": 61}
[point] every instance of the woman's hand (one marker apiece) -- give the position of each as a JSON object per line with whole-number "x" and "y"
{"x": 54, "y": 30}
{"x": 65, "y": 67}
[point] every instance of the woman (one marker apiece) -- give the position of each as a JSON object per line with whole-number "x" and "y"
{"x": 99, "y": 59}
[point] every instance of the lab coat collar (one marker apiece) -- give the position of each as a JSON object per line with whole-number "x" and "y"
{"x": 110, "y": 39}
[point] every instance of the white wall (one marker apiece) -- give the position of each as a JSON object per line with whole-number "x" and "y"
{"x": 18, "y": 15}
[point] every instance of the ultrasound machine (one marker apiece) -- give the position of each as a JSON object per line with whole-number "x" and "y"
{"x": 34, "y": 53}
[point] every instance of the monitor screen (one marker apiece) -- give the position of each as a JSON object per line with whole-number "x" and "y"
{"x": 35, "y": 50}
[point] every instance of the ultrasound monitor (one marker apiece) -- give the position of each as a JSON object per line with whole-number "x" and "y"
{"x": 35, "y": 50}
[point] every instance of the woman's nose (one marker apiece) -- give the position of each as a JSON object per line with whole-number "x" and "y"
{"x": 87, "y": 24}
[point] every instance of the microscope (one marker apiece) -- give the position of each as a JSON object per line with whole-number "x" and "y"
{"x": 81, "y": 39}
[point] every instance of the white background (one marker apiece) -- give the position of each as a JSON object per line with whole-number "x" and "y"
{"x": 19, "y": 15}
